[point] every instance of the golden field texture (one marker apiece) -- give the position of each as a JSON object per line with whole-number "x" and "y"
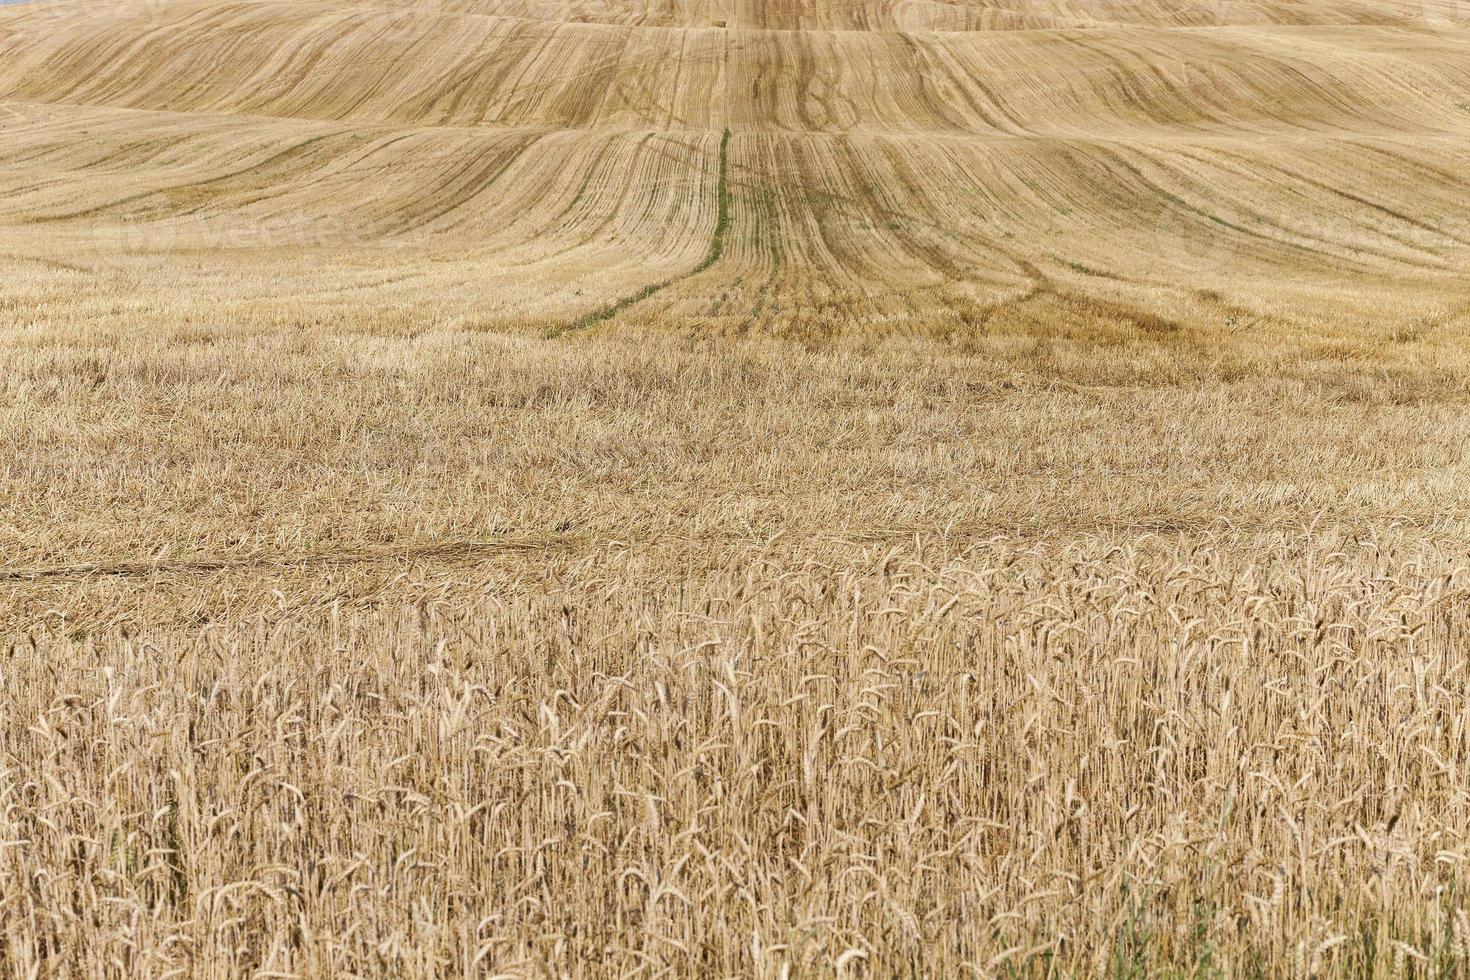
{"x": 485, "y": 654}
{"x": 586, "y": 488}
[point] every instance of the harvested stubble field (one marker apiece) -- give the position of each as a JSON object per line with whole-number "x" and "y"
{"x": 594, "y": 487}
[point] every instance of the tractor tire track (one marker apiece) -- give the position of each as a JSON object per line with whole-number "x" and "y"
{"x": 716, "y": 249}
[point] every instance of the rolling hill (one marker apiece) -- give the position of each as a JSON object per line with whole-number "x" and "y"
{"x": 891, "y": 168}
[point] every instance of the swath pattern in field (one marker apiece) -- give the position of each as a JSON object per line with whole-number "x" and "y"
{"x": 533, "y": 165}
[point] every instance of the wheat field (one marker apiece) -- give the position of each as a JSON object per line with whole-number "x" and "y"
{"x": 772, "y": 488}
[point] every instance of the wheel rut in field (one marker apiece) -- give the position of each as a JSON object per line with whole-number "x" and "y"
{"x": 716, "y": 249}
{"x": 187, "y": 566}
